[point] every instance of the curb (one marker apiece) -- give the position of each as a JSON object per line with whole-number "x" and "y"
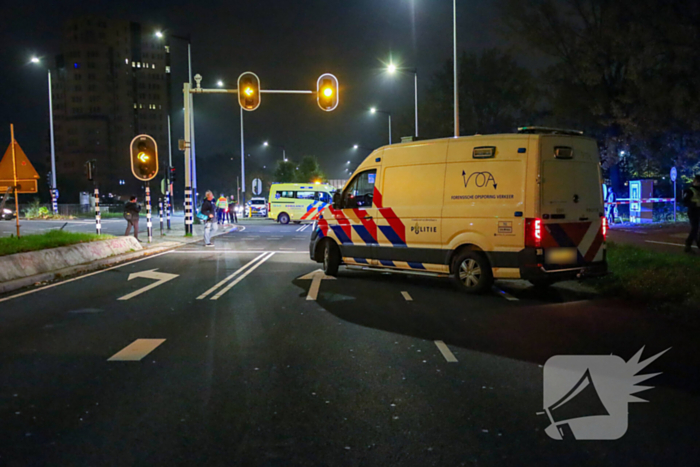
{"x": 15, "y": 284}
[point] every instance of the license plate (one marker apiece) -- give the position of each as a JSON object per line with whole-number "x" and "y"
{"x": 561, "y": 256}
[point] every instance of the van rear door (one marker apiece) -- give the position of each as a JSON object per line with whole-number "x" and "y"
{"x": 571, "y": 200}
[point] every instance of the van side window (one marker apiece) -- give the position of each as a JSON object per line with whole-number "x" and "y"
{"x": 284, "y": 194}
{"x": 563, "y": 152}
{"x": 484, "y": 152}
{"x": 323, "y": 197}
{"x": 305, "y": 195}
{"x": 360, "y": 191}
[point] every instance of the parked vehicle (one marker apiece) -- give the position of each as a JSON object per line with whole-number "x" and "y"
{"x": 298, "y": 202}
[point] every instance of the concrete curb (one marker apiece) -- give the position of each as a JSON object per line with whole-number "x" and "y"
{"x": 15, "y": 284}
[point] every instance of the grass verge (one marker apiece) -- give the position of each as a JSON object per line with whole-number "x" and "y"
{"x": 661, "y": 280}
{"x": 50, "y": 239}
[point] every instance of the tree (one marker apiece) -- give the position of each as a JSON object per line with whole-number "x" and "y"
{"x": 309, "y": 170}
{"x": 285, "y": 172}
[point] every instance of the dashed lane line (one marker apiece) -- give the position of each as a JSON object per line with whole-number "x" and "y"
{"x": 135, "y": 351}
{"x": 449, "y": 356}
{"x": 407, "y": 296}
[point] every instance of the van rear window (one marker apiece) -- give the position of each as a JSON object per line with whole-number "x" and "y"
{"x": 563, "y": 152}
{"x": 484, "y": 152}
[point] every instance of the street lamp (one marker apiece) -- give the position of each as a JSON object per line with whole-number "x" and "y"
{"x": 220, "y": 83}
{"x": 284, "y": 152}
{"x": 54, "y": 200}
{"x": 374, "y": 110}
{"x": 355, "y": 146}
{"x": 392, "y": 69}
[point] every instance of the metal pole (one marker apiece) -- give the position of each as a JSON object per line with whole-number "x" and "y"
{"x": 54, "y": 201}
{"x": 194, "y": 152}
{"x": 242, "y": 160}
{"x": 675, "y": 195}
{"x": 160, "y": 212}
{"x": 149, "y": 224}
{"x": 14, "y": 175}
{"x": 284, "y": 155}
{"x": 188, "y": 181}
{"x": 454, "y": 38}
{"x": 389, "y": 128}
{"x": 98, "y": 223}
{"x": 415, "y": 83}
{"x": 169, "y": 194}
{"x": 167, "y": 208}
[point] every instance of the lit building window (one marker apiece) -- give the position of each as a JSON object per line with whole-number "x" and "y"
{"x": 167, "y": 49}
{"x": 153, "y": 66}
{"x": 167, "y": 69}
{"x": 133, "y": 64}
{"x": 138, "y": 64}
{"x": 134, "y": 104}
{"x": 126, "y": 60}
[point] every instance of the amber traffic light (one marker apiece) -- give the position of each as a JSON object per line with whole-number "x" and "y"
{"x": 144, "y": 157}
{"x": 327, "y": 92}
{"x": 249, "y": 91}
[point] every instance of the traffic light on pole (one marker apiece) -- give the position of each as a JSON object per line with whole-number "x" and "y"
{"x": 144, "y": 157}
{"x": 172, "y": 175}
{"x": 249, "y": 91}
{"x": 327, "y": 92}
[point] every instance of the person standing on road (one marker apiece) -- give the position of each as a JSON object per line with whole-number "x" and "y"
{"x": 691, "y": 199}
{"x": 131, "y": 213}
{"x": 221, "y": 208}
{"x": 208, "y": 210}
{"x": 233, "y": 217}
{"x": 611, "y": 208}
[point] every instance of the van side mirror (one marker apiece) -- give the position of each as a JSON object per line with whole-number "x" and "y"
{"x": 336, "y": 200}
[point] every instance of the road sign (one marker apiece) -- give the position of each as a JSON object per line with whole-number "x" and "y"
{"x": 316, "y": 277}
{"x": 160, "y": 277}
{"x": 257, "y": 186}
{"x": 674, "y": 174}
{"x": 27, "y": 176}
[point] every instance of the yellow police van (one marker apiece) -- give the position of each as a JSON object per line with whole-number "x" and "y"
{"x": 298, "y": 202}
{"x": 512, "y": 206}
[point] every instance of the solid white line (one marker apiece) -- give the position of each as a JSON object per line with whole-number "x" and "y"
{"x": 237, "y": 252}
{"x": 232, "y": 284}
{"x": 136, "y": 350}
{"x": 81, "y": 277}
{"x": 238, "y": 271}
{"x": 449, "y": 356}
{"x": 407, "y": 296}
{"x": 665, "y": 243}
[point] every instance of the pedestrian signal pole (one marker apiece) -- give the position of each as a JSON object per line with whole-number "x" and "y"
{"x": 149, "y": 224}
{"x": 160, "y": 212}
{"x": 98, "y": 219}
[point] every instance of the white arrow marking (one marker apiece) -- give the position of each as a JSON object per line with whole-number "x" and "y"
{"x": 316, "y": 277}
{"x": 161, "y": 277}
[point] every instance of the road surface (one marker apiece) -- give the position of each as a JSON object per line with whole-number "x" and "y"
{"x": 220, "y": 356}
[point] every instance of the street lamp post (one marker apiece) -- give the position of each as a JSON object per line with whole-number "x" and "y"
{"x": 391, "y": 68}
{"x": 454, "y": 53}
{"x": 54, "y": 200}
{"x": 374, "y": 110}
{"x": 284, "y": 152}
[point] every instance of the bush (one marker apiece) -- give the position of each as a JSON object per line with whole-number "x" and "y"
{"x": 50, "y": 239}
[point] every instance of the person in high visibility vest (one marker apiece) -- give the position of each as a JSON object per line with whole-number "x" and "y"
{"x": 691, "y": 199}
{"x": 221, "y": 209}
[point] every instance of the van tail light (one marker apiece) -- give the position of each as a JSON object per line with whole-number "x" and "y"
{"x": 604, "y": 227}
{"x": 533, "y": 233}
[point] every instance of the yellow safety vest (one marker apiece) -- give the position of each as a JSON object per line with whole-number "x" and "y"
{"x": 222, "y": 203}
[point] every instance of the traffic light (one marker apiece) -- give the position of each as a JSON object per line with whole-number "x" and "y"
{"x": 172, "y": 175}
{"x": 327, "y": 92}
{"x": 249, "y": 91}
{"x": 144, "y": 157}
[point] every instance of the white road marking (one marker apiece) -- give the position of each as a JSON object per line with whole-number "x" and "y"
{"x": 303, "y": 227}
{"x": 505, "y": 294}
{"x": 81, "y": 277}
{"x": 235, "y": 252}
{"x": 160, "y": 277}
{"x": 232, "y": 284}
{"x": 316, "y": 277}
{"x": 407, "y": 296}
{"x": 665, "y": 243}
{"x": 238, "y": 271}
{"x": 136, "y": 350}
{"x": 449, "y": 356}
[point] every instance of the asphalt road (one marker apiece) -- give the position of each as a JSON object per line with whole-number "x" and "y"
{"x": 232, "y": 364}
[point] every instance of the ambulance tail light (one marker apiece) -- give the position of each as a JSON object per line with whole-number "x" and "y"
{"x": 533, "y": 233}
{"x": 604, "y": 227}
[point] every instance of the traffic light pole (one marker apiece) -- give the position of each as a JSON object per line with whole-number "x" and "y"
{"x": 149, "y": 224}
{"x": 188, "y": 180}
{"x": 98, "y": 218}
{"x": 242, "y": 161}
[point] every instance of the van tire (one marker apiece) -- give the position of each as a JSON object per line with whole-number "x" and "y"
{"x": 283, "y": 218}
{"x": 472, "y": 272}
{"x": 330, "y": 258}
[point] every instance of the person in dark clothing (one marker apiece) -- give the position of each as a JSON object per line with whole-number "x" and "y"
{"x": 233, "y": 217}
{"x": 208, "y": 209}
{"x": 131, "y": 213}
{"x": 691, "y": 199}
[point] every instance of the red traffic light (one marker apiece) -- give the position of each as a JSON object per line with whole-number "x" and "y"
{"x": 327, "y": 92}
{"x": 144, "y": 157}
{"x": 249, "y": 91}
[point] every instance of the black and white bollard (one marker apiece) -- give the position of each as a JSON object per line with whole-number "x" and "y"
{"x": 188, "y": 211}
{"x": 98, "y": 223}
{"x": 54, "y": 201}
{"x": 160, "y": 211}
{"x": 149, "y": 224}
{"x": 168, "y": 207}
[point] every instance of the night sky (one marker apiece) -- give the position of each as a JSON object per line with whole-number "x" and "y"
{"x": 287, "y": 43}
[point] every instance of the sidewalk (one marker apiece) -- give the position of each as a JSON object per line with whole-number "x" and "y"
{"x": 665, "y": 238}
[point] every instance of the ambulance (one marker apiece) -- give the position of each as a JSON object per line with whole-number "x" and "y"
{"x": 526, "y": 205}
{"x": 298, "y": 202}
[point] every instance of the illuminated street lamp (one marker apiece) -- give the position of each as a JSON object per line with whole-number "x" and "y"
{"x": 220, "y": 83}
{"x": 392, "y": 69}
{"x": 54, "y": 203}
{"x": 374, "y": 110}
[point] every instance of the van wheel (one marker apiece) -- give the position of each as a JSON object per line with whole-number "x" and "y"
{"x": 283, "y": 218}
{"x": 331, "y": 258}
{"x": 472, "y": 272}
